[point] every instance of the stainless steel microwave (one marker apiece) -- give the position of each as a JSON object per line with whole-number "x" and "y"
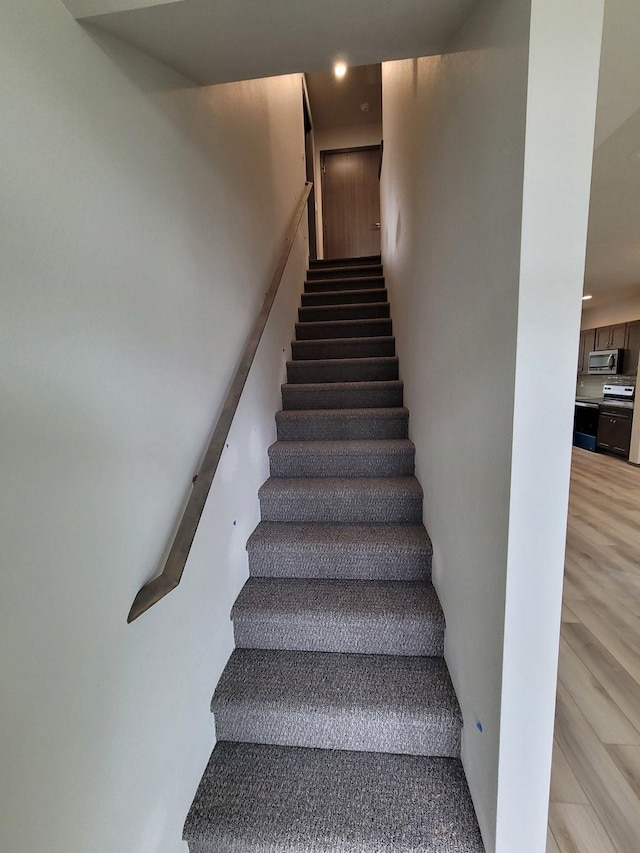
{"x": 605, "y": 361}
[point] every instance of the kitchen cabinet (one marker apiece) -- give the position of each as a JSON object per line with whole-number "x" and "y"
{"x": 614, "y": 431}
{"x": 587, "y": 345}
{"x": 632, "y": 348}
{"x": 611, "y": 337}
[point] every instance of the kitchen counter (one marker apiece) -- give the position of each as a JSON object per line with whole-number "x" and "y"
{"x": 604, "y": 401}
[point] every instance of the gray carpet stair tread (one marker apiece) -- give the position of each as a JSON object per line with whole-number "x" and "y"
{"x": 271, "y": 799}
{"x": 382, "y": 703}
{"x": 363, "y": 617}
{"x": 353, "y": 270}
{"x": 376, "y": 551}
{"x": 334, "y": 284}
{"x": 323, "y": 329}
{"x": 348, "y": 499}
{"x": 338, "y": 270}
{"x": 331, "y": 370}
{"x": 357, "y": 311}
{"x": 311, "y": 536}
{"x": 353, "y": 427}
{"x": 366, "y": 394}
{"x": 345, "y": 297}
{"x": 344, "y": 348}
{"x": 365, "y": 458}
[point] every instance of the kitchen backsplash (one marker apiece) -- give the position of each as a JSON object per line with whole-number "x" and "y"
{"x": 591, "y": 386}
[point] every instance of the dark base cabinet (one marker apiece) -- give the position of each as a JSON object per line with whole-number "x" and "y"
{"x": 614, "y": 431}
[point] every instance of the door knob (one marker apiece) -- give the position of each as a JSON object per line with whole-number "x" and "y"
{"x": 375, "y": 225}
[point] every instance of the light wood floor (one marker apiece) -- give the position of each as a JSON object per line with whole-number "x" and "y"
{"x": 595, "y": 785}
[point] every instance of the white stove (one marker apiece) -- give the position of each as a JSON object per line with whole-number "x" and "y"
{"x": 620, "y": 396}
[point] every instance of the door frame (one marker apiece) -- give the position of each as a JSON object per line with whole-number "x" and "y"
{"x": 349, "y": 150}
{"x": 309, "y": 156}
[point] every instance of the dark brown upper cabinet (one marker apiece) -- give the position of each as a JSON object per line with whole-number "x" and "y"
{"x": 587, "y": 345}
{"x": 624, "y": 336}
{"x": 632, "y": 348}
{"x": 611, "y": 337}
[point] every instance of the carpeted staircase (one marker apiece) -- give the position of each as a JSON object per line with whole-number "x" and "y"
{"x": 338, "y": 727}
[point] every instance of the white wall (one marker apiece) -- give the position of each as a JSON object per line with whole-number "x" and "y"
{"x": 86, "y": 8}
{"x": 564, "y": 58}
{"x": 329, "y": 139}
{"x": 466, "y": 302}
{"x": 451, "y": 194}
{"x": 141, "y": 222}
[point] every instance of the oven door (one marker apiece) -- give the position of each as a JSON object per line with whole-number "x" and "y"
{"x": 585, "y": 425}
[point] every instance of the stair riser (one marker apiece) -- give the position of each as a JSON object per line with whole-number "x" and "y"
{"x": 374, "y": 565}
{"x": 360, "y": 731}
{"x": 321, "y": 331}
{"x": 344, "y": 297}
{"x": 350, "y": 370}
{"x": 374, "y": 310}
{"x": 318, "y": 429}
{"x": 321, "y": 285}
{"x": 341, "y": 508}
{"x": 413, "y": 636}
{"x": 321, "y": 263}
{"x": 384, "y": 395}
{"x": 347, "y": 348}
{"x": 341, "y": 272}
{"x": 332, "y": 465}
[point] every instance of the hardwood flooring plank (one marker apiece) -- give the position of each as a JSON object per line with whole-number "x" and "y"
{"x": 620, "y": 686}
{"x": 612, "y": 799}
{"x": 609, "y": 628}
{"x": 571, "y": 592}
{"x": 567, "y": 614}
{"x": 627, "y": 759}
{"x": 552, "y": 847}
{"x": 605, "y": 717}
{"x": 605, "y": 576}
{"x": 576, "y": 829}
{"x": 596, "y": 759}
{"x": 565, "y": 787}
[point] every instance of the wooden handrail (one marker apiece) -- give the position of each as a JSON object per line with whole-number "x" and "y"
{"x": 171, "y": 574}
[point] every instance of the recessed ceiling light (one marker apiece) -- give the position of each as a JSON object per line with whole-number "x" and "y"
{"x": 340, "y": 69}
{"x": 588, "y": 296}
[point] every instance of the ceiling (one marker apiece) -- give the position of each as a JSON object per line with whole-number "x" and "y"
{"x": 217, "y": 41}
{"x": 214, "y": 41}
{"x": 619, "y": 85}
{"x": 613, "y": 242}
{"x": 337, "y": 102}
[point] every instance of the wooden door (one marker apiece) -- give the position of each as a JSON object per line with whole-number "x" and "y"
{"x": 308, "y": 160}
{"x": 351, "y": 202}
